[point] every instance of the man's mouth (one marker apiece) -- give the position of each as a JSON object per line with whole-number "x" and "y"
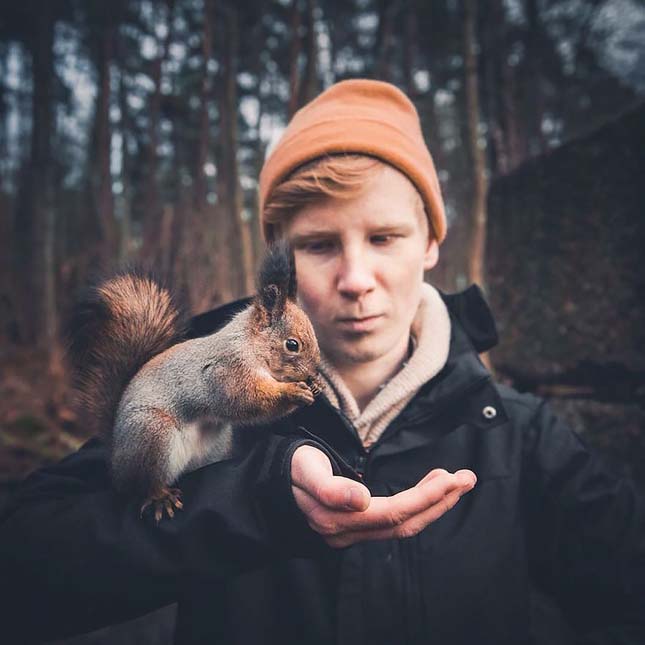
{"x": 359, "y": 323}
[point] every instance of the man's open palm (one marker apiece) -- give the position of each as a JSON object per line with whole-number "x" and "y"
{"x": 344, "y": 512}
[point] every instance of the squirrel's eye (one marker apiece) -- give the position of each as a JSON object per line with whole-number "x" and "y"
{"x": 292, "y": 345}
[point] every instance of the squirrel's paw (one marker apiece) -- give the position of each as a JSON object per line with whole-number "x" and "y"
{"x": 166, "y": 502}
{"x": 300, "y": 393}
{"x": 314, "y": 384}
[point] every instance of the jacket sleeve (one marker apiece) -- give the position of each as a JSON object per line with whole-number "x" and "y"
{"x": 74, "y": 556}
{"x": 586, "y": 535}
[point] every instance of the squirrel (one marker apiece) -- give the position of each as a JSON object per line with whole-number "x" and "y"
{"x": 164, "y": 405}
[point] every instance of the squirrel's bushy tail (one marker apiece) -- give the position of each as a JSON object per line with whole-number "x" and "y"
{"x": 117, "y": 327}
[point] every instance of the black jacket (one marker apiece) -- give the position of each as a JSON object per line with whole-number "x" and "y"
{"x": 245, "y": 568}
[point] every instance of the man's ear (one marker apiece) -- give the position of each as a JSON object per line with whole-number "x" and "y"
{"x": 431, "y": 255}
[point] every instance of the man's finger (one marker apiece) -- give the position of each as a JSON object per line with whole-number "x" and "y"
{"x": 463, "y": 473}
{"x": 387, "y": 513}
{"x": 312, "y": 473}
{"x": 432, "y": 474}
{"x": 409, "y": 528}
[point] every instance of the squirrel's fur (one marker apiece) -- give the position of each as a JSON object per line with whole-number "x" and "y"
{"x": 165, "y": 405}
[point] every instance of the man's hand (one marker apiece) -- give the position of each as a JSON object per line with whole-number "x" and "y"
{"x": 344, "y": 513}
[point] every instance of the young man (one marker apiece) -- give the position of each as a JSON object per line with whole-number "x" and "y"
{"x": 347, "y": 522}
{"x": 361, "y": 253}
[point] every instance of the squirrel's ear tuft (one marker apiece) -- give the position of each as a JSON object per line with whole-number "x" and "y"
{"x": 269, "y": 305}
{"x": 279, "y": 269}
{"x": 271, "y": 297}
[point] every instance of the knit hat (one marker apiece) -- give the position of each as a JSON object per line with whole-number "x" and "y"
{"x": 358, "y": 116}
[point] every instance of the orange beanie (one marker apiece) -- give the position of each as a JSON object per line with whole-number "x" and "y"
{"x": 358, "y": 116}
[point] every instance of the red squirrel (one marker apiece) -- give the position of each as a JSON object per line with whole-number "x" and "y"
{"x": 165, "y": 406}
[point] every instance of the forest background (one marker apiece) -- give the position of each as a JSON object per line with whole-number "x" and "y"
{"x": 134, "y": 131}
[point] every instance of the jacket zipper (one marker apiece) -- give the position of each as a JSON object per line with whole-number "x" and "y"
{"x": 347, "y": 423}
{"x": 361, "y": 463}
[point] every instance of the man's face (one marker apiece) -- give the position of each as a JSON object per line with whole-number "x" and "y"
{"x": 360, "y": 264}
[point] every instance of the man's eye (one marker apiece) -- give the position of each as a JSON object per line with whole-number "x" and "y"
{"x": 318, "y": 246}
{"x": 382, "y": 240}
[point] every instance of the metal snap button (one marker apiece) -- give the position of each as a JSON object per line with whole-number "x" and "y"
{"x": 489, "y": 412}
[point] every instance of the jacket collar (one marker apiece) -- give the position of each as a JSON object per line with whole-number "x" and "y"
{"x": 471, "y": 310}
{"x": 473, "y": 331}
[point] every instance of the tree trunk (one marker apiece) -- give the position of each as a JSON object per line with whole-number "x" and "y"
{"x": 491, "y": 54}
{"x": 102, "y": 181}
{"x": 151, "y": 200}
{"x": 205, "y": 256}
{"x": 534, "y": 96}
{"x": 386, "y": 12}
{"x": 260, "y": 153}
{"x": 35, "y": 262}
{"x": 516, "y": 145}
{"x": 294, "y": 59}
{"x": 410, "y": 46}
{"x": 239, "y": 235}
{"x": 241, "y": 226}
{"x": 153, "y": 208}
{"x": 206, "y": 96}
{"x": 478, "y": 213}
{"x": 125, "y": 234}
{"x": 182, "y": 221}
{"x": 309, "y": 84}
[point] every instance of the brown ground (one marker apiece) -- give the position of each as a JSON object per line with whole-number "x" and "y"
{"x": 37, "y": 422}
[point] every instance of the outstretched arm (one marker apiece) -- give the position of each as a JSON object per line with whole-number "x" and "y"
{"x": 81, "y": 557}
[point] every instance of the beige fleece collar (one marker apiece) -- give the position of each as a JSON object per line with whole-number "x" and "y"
{"x": 430, "y": 334}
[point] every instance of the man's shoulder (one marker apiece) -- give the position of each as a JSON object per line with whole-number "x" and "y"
{"x": 530, "y": 414}
{"x": 471, "y": 310}
{"x": 518, "y": 402}
{"x": 211, "y": 321}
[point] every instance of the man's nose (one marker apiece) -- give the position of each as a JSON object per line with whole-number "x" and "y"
{"x": 356, "y": 276}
